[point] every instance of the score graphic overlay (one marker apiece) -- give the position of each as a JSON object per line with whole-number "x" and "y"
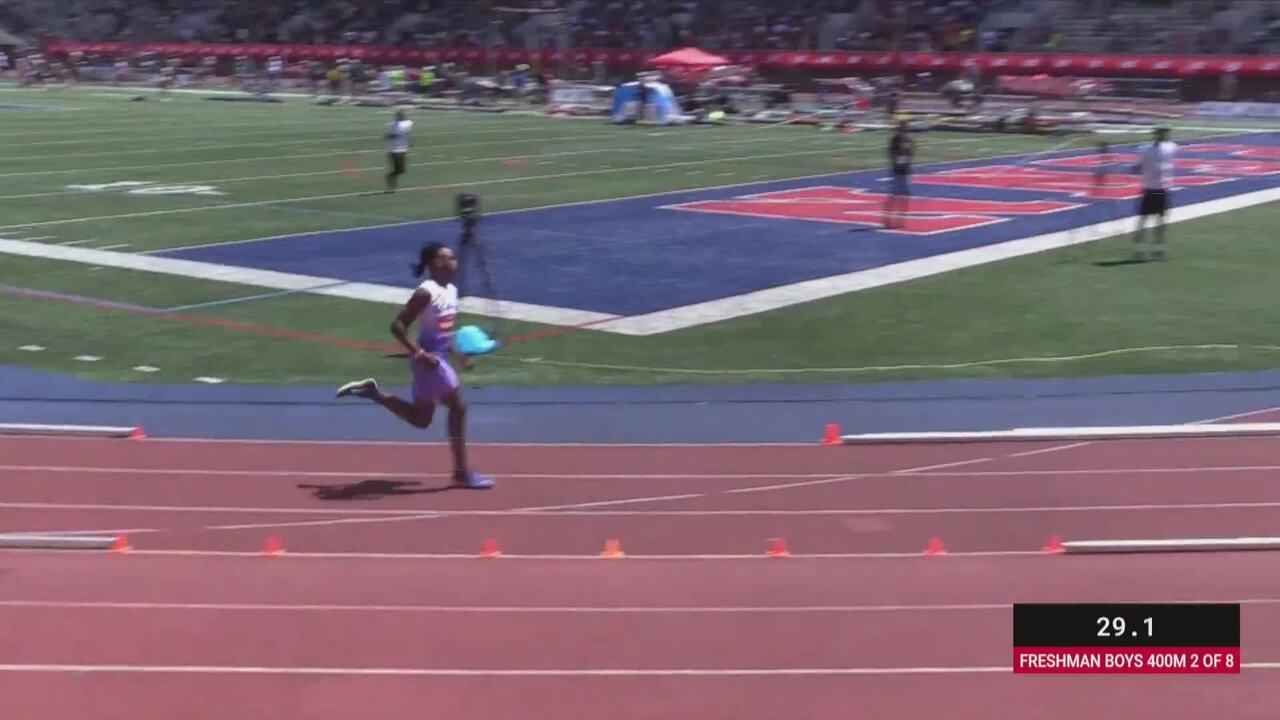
{"x": 1126, "y": 638}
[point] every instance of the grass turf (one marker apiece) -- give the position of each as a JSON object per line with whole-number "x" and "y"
{"x": 293, "y": 167}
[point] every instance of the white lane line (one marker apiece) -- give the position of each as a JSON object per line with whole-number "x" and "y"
{"x": 568, "y": 672}
{"x": 562, "y": 609}
{"x": 467, "y": 672}
{"x": 336, "y": 521}
{"x": 773, "y": 512}
{"x": 942, "y": 466}
{"x": 1055, "y": 448}
{"x": 787, "y": 486}
{"x": 846, "y": 478}
{"x": 414, "y": 475}
{"x": 554, "y": 557}
{"x": 824, "y": 477}
{"x": 532, "y": 510}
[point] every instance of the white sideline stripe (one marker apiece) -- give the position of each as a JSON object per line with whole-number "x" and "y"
{"x": 783, "y": 296}
{"x": 653, "y": 323}
{"x": 85, "y": 470}
{"x": 333, "y": 287}
{"x": 378, "y": 294}
{"x": 563, "y": 609}
{"x": 1070, "y": 433}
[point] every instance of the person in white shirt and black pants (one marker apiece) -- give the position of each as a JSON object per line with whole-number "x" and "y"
{"x": 1155, "y": 164}
{"x": 397, "y": 148}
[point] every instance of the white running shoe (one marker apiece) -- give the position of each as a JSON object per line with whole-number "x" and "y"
{"x": 360, "y": 388}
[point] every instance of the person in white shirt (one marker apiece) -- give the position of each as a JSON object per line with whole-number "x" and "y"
{"x": 1155, "y": 164}
{"x": 397, "y": 148}
{"x": 434, "y": 307}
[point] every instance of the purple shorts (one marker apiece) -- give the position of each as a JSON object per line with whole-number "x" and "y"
{"x": 430, "y": 384}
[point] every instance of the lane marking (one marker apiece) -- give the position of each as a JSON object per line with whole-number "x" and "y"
{"x": 419, "y": 475}
{"x": 523, "y": 511}
{"x": 1055, "y": 448}
{"x": 822, "y": 477}
{"x": 788, "y": 486}
{"x": 568, "y": 672}
{"x": 445, "y": 672}
{"x": 553, "y": 511}
{"x": 561, "y": 609}
{"x": 845, "y": 478}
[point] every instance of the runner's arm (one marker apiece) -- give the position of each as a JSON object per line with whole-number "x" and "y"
{"x": 406, "y": 317}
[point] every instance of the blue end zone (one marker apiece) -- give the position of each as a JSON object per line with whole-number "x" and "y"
{"x": 636, "y": 255}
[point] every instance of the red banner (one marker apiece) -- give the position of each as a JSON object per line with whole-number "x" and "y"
{"x": 999, "y": 63}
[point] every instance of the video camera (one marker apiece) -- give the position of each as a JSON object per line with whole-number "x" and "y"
{"x": 468, "y": 209}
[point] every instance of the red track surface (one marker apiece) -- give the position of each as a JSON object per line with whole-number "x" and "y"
{"x": 367, "y": 615}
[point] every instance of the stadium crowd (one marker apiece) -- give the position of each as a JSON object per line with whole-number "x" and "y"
{"x": 1210, "y": 26}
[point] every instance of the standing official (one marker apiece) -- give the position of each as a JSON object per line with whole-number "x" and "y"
{"x": 901, "y": 151}
{"x": 397, "y": 148}
{"x": 1155, "y": 164}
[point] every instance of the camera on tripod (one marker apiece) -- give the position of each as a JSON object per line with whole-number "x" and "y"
{"x": 468, "y": 209}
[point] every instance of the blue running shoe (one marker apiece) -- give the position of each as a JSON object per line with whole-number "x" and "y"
{"x": 474, "y": 481}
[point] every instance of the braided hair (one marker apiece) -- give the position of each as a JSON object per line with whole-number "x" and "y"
{"x": 426, "y": 258}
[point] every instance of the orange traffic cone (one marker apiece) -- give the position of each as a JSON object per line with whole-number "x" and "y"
{"x": 778, "y": 547}
{"x": 490, "y": 549}
{"x": 1054, "y": 546}
{"x": 273, "y": 546}
{"x": 121, "y": 544}
{"x": 935, "y": 547}
{"x": 612, "y": 549}
{"x": 832, "y": 435}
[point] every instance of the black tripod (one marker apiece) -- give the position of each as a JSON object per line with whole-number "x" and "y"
{"x": 471, "y": 250}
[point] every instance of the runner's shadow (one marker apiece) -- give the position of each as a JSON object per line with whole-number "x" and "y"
{"x": 371, "y": 490}
{"x": 1119, "y": 263}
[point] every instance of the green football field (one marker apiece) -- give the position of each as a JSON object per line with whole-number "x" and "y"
{"x": 215, "y": 172}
